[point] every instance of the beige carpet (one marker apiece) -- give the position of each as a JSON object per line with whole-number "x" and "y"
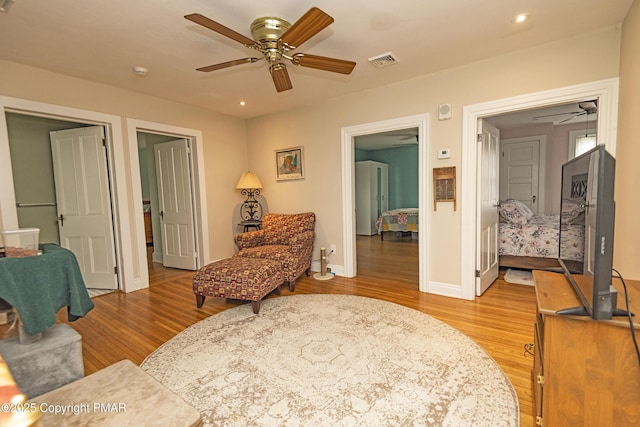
{"x": 333, "y": 360}
{"x": 521, "y": 277}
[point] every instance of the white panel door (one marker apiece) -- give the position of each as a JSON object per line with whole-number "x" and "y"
{"x": 520, "y": 171}
{"x": 83, "y": 202}
{"x": 176, "y": 204}
{"x": 488, "y": 185}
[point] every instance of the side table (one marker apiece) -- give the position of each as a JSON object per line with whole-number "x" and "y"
{"x": 256, "y": 224}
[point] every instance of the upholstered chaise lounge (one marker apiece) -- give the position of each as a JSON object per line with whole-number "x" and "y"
{"x": 287, "y": 238}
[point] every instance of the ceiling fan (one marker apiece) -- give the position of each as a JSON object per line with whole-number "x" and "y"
{"x": 275, "y": 38}
{"x": 587, "y": 107}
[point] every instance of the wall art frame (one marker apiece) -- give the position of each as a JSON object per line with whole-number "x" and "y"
{"x": 289, "y": 164}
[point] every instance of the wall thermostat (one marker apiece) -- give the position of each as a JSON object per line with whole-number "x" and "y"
{"x": 444, "y": 112}
{"x": 444, "y": 153}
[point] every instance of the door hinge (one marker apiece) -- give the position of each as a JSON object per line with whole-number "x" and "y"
{"x": 539, "y": 421}
{"x": 477, "y": 273}
{"x": 104, "y": 142}
{"x": 540, "y": 380}
{"x": 479, "y": 138}
{"x": 115, "y": 269}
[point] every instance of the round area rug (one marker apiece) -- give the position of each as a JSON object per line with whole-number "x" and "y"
{"x": 330, "y": 360}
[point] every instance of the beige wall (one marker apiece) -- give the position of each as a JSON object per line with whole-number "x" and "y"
{"x": 627, "y": 235}
{"x": 225, "y": 151}
{"x": 318, "y": 129}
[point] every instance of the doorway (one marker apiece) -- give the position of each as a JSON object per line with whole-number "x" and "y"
{"x": 165, "y": 178}
{"x": 604, "y": 91}
{"x": 160, "y": 132}
{"x": 386, "y": 181}
{"x": 349, "y": 134}
{"x": 61, "y": 184}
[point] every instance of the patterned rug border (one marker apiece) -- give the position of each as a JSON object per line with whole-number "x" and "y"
{"x": 405, "y": 367}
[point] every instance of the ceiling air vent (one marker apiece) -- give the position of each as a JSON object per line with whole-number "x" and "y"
{"x": 383, "y": 60}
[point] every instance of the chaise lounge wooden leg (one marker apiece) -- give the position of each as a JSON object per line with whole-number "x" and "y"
{"x": 256, "y": 306}
{"x": 292, "y": 285}
{"x": 199, "y": 300}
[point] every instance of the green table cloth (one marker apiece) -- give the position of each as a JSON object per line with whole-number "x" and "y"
{"x": 39, "y": 286}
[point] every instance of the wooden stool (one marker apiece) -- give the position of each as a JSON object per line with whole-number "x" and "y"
{"x": 239, "y": 278}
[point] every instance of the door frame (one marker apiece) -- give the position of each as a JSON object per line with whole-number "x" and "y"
{"x": 348, "y": 134}
{"x": 198, "y": 189}
{"x": 606, "y": 91}
{"x": 127, "y": 277}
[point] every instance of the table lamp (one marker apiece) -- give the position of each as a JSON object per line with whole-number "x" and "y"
{"x": 250, "y": 186}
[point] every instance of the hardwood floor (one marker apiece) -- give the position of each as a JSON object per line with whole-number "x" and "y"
{"x": 131, "y": 326}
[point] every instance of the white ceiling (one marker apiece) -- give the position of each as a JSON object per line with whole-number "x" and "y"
{"x": 102, "y": 40}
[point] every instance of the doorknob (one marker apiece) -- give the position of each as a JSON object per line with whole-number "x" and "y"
{"x": 161, "y": 214}
{"x": 534, "y": 199}
{"x": 61, "y": 220}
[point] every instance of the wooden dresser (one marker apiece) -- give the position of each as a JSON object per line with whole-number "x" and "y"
{"x": 585, "y": 372}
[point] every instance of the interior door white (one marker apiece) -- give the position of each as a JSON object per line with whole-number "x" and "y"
{"x": 520, "y": 171}
{"x": 83, "y": 200}
{"x": 487, "y": 215}
{"x": 173, "y": 169}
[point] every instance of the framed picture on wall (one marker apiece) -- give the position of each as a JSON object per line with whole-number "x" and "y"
{"x": 289, "y": 164}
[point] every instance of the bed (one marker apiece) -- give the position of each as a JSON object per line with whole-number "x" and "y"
{"x": 403, "y": 220}
{"x": 531, "y": 241}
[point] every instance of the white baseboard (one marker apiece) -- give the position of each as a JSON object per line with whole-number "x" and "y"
{"x": 445, "y": 289}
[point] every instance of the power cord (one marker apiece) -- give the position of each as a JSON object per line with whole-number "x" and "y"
{"x": 330, "y": 252}
{"x": 629, "y": 314}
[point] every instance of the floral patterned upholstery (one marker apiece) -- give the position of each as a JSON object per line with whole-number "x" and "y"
{"x": 238, "y": 278}
{"x": 287, "y": 238}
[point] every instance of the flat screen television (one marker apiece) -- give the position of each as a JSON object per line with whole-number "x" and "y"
{"x": 587, "y": 223}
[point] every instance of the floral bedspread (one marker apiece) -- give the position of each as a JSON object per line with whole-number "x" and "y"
{"x": 539, "y": 238}
{"x": 399, "y": 220}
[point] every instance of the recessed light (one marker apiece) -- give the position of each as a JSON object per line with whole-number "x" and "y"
{"x": 140, "y": 71}
{"x": 518, "y": 19}
{"x": 242, "y": 103}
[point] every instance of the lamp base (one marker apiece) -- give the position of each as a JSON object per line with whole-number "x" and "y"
{"x": 320, "y": 276}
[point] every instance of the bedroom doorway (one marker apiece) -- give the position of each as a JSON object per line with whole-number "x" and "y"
{"x": 146, "y": 202}
{"x": 605, "y": 92}
{"x": 349, "y": 136}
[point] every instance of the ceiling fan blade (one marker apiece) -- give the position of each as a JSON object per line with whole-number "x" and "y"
{"x": 557, "y": 114}
{"x": 323, "y": 63}
{"x": 220, "y": 29}
{"x": 572, "y": 117}
{"x": 310, "y": 24}
{"x": 227, "y": 64}
{"x": 408, "y": 137}
{"x": 280, "y": 77}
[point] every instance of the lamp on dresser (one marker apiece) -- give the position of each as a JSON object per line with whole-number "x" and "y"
{"x": 250, "y": 211}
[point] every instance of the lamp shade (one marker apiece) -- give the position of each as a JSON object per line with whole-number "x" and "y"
{"x": 249, "y": 180}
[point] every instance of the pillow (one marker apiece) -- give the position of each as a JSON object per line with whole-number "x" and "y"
{"x": 515, "y": 212}
{"x": 572, "y": 211}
